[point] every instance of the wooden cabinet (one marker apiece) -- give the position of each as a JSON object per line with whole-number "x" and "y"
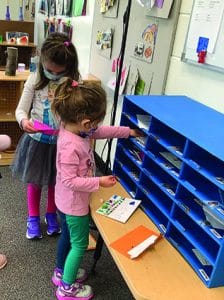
{"x": 24, "y": 51}
{"x": 177, "y": 170}
{"x": 10, "y": 91}
{"x": 11, "y": 88}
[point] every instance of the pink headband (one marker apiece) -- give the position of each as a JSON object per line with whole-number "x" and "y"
{"x": 67, "y": 43}
{"x": 74, "y": 83}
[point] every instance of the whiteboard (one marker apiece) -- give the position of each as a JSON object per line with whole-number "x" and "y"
{"x": 215, "y": 55}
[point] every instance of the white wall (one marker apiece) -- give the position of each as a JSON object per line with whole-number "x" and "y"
{"x": 82, "y": 35}
{"x": 202, "y": 85}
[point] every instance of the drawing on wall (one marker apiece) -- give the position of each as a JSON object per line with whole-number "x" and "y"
{"x": 140, "y": 86}
{"x": 159, "y": 3}
{"x": 52, "y": 8}
{"x": 161, "y": 9}
{"x": 132, "y": 81}
{"x": 104, "y": 40}
{"x": 124, "y": 75}
{"x": 109, "y": 8}
{"x": 136, "y": 84}
{"x": 144, "y": 48}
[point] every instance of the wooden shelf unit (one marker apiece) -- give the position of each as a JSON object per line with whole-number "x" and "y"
{"x": 24, "y": 51}
{"x": 11, "y": 88}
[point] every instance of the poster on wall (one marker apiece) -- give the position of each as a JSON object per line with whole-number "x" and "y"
{"x": 104, "y": 40}
{"x": 137, "y": 83}
{"x": 144, "y": 47}
{"x": 161, "y": 9}
{"x": 109, "y": 8}
{"x": 113, "y": 80}
{"x": 51, "y": 8}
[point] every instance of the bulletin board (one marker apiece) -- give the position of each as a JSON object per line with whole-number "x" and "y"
{"x": 143, "y": 28}
{"x": 204, "y": 45}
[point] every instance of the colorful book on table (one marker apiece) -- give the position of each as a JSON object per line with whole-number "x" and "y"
{"x": 119, "y": 208}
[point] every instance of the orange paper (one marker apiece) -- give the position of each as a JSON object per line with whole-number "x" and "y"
{"x": 132, "y": 239}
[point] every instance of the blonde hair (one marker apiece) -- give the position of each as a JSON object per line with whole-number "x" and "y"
{"x": 76, "y": 103}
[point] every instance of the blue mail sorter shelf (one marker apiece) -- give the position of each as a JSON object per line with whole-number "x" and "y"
{"x": 177, "y": 170}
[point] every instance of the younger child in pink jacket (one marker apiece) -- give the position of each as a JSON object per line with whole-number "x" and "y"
{"x": 80, "y": 107}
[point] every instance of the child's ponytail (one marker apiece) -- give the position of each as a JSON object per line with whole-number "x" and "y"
{"x": 76, "y": 101}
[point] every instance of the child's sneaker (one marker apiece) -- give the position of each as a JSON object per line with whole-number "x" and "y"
{"x": 75, "y": 291}
{"x": 33, "y": 228}
{"x": 57, "y": 276}
{"x": 52, "y": 224}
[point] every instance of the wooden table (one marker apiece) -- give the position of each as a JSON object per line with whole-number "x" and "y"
{"x": 160, "y": 273}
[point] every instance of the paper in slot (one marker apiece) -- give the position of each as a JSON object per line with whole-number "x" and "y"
{"x": 136, "y": 241}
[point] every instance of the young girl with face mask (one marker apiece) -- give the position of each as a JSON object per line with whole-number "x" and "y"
{"x": 80, "y": 108}
{"x": 36, "y": 151}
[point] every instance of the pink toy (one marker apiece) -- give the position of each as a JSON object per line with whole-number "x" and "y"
{"x": 44, "y": 128}
{"x": 5, "y": 142}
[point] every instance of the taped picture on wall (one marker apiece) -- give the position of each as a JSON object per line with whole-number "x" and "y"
{"x": 144, "y": 48}
{"x": 104, "y": 40}
{"x": 109, "y": 8}
{"x": 124, "y": 75}
{"x": 137, "y": 82}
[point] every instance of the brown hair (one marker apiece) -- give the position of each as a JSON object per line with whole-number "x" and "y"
{"x": 59, "y": 50}
{"x": 76, "y": 103}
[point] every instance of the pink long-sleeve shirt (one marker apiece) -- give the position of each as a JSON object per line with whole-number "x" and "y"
{"x": 76, "y": 167}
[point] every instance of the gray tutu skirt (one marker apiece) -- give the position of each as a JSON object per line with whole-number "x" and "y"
{"x": 35, "y": 162}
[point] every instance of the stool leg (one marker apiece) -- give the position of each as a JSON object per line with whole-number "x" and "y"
{"x": 97, "y": 253}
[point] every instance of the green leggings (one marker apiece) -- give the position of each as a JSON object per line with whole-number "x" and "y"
{"x": 79, "y": 238}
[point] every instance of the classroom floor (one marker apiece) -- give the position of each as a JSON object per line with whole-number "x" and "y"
{"x": 30, "y": 263}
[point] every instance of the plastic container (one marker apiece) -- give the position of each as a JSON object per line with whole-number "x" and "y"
{"x": 21, "y": 67}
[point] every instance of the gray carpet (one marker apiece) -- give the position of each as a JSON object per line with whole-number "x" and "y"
{"x": 27, "y": 275}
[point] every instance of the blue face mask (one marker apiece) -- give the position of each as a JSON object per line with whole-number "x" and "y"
{"x": 85, "y": 134}
{"x": 51, "y": 76}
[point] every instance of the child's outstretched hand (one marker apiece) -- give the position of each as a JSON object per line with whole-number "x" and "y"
{"x": 28, "y": 126}
{"x": 108, "y": 181}
{"x": 136, "y": 132}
